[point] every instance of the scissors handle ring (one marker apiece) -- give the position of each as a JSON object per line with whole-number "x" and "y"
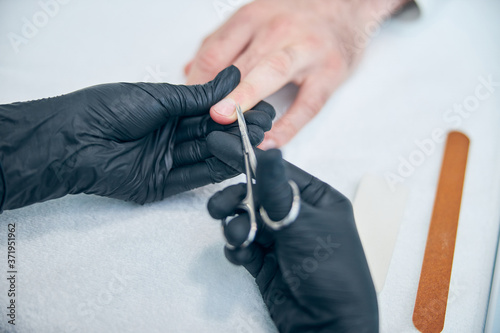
{"x": 251, "y": 233}
{"x": 290, "y": 217}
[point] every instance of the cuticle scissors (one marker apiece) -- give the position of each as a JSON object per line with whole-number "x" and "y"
{"x": 247, "y": 204}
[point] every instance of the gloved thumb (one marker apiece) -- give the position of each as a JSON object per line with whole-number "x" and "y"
{"x": 182, "y": 100}
{"x": 273, "y": 190}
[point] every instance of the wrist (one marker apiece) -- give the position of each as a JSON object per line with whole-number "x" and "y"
{"x": 28, "y": 154}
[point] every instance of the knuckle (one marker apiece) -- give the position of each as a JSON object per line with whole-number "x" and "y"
{"x": 345, "y": 204}
{"x": 314, "y": 42}
{"x": 285, "y": 130}
{"x": 243, "y": 66}
{"x": 246, "y": 91}
{"x": 246, "y": 12}
{"x": 334, "y": 63}
{"x": 207, "y": 40}
{"x": 312, "y": 105}
{"x": 210, "y": 59}
{"x": 281, "y": 25}
{"x": 281, "y": 62}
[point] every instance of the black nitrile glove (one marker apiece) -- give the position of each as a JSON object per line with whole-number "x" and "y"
{"x": 132, "y": 141}
{"x": 312, "y": 274}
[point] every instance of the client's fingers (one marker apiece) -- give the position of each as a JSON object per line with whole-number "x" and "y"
{"x": 220, "y": 49}
{"x": 268, "y": 76}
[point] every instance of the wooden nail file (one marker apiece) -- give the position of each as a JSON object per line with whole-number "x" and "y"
{"x": 432, "y": 294}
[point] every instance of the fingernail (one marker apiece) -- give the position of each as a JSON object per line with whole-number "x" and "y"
{"x": 268, "y": 144}
{"x": 225, "y": 108}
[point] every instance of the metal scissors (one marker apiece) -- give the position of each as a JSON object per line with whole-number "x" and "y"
{"x": 247, "y": 204}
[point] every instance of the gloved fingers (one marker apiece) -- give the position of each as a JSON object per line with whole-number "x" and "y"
{"x": 265, "y": 108}
{"x": 192, "y": 176}
{"x": 255, "y": 133}
{"x": 262, "y": 115}
{"x": 267, "y": 272}
{"x": 273, "y": 189}
{"x": 237, "y": 230}
{"x": 321, "y": 195}
{"x": 223, "y": 203}
{"x": 182, "y": 100}
{"x": 190, "y": 152}
{"x": 140, "y": 108}
{"x": 190, "y": 128}
{"x": 250, "y": 257}
{"x": 194, "y": 151}
{"x": 228, "y": 148}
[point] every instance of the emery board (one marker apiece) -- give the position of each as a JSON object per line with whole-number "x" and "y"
{"x": 378, "y": 211}
{"x": 432, "y": 295}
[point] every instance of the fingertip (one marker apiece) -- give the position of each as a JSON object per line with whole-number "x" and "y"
{"x": 256, "y": 134}
{"x": 213, "y": 206}
{"x": 238, "y": 256}
{"x": 272, "y": 161}
{"x": 236, "y": 71}
{"x": 237, "y": 229}
{"x": 251, "y": 257}
{"x": 267, "y": 108}
{"x": 281, "y": 133}
{"x": 268, "y": 143}
{"x": 187, "y": 68}
{"x": 231, "y": 76}
{"x": 220, "y": 118}
{"x": 223, "y": 203}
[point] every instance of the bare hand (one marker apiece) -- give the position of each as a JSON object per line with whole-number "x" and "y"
{"x": 312, "y": 43}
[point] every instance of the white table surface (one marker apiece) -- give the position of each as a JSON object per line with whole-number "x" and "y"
{"x": 91, "y": 264}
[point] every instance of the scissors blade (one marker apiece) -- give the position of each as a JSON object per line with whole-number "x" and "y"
{"x": 245, "y": 139}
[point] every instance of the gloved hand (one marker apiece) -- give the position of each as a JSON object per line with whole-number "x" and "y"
{"x": 312, "y": 274}
{"x": 132, "y": 141}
